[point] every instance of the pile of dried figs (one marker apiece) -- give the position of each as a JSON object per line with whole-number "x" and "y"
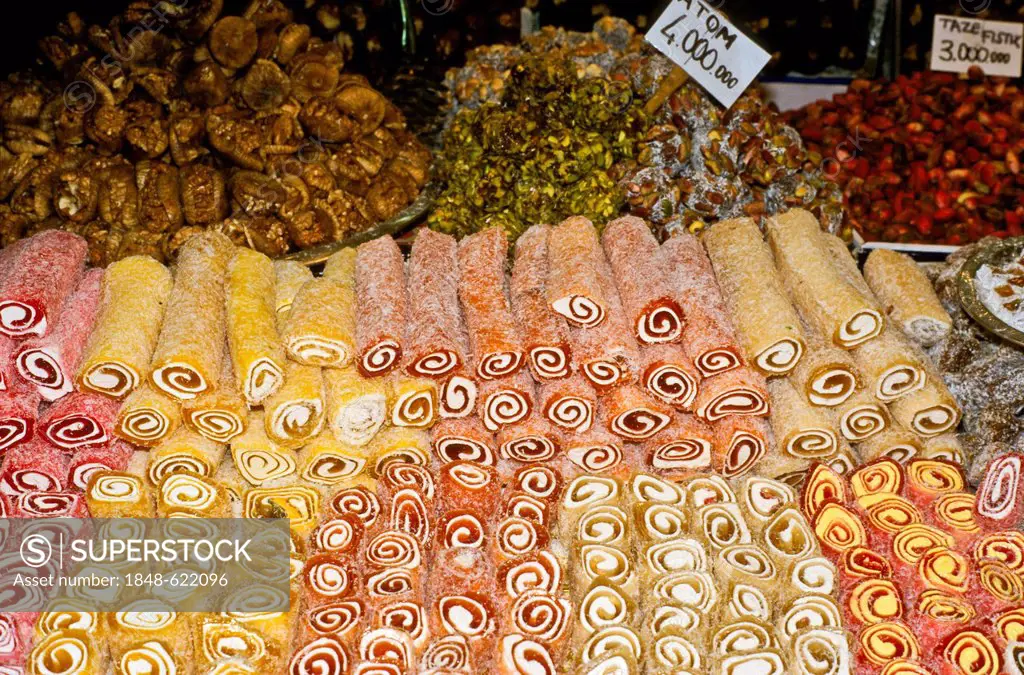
{"x": 174, "y": 117}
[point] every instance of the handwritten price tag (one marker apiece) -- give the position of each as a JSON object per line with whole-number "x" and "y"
{"x": 993, "y": 46}
{"x": 709, "y": 48}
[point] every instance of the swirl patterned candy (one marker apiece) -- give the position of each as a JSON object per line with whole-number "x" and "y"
{"x": 463, "y": 440}
{"x": 821, "y": 652}
{"x": 457, "y": 396}
{"x": 939, "y": 606}
{"x": 65, "y": 653}
{"x": 838, "y": 529}
{"x": 517, "y": 536}
{"x": 740, "y": 391}
{"x": 520, "y": 655}
{"x": 862, "y": 416}
{"x": 341, "y": 534}
{"x": 356, "y": 405}
{"x": 532, "y": 440}
{"x": 569, "y": 403}
{"x": 633, "y": 415}
{"x": 258, "y": 458}
{"x": 320, "y": 327}
{"x": 413, "y": 402}
{"x": 574, "y": 288}
{"x": 295, "y": 413}
{"x": 536, "y": 571}
{"x": 407, "y": 616}
{"x": 764, "y": 661}
{"x": 740, "y": 443}
{"x": 913, "y": 541}
{"x": 972, "y": 653}
{"x": 874, "y": 601}
{"x": 357, "y": 501}
{"x": 685, "y": 444}
{"x": 447, "y": 653}
{"x": 328, "y": 461}
{"x": 542, "y": 617}
{"x": 463, "y": 528}
{"x": 506, "y": 401}
{"x": 79, "y": 420}
{"x": 605, "y": 525}
{"x": 823, "y": 486}
{"x": 880, "y": 476}
{"x": 612, "y": 640}
{"x": 668, "y": 375}
{"x": 741, "y": 636}
{"x": 1001, "y": 493}
{"x": 147, "y": 417}
{"x": 809, "y": 611}
{"x": 324, "y": 655}
{"x": 595, "y": 452}
{"x": 722, "y": 525}
{"x": 49, "y": 505}
{"x": 814, "y": 575}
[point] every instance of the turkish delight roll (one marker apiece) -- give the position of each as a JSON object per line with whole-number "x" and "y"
{"x": 321, "y": 327}
{"x": 608, "y": 354}
{"x": 86, "y": 461}
{"x": 382, "y": 306}
{"x": 533, "y": 439}
{"x": 544, "y": 333}
{"x": 1000, "y": 499}
{"x": 740, "y": 443}
{"x": 493, "y": 335}
{"x": 40, "y": 275}
{"x": 50, "y": 362}
{"x": 463, "y": 440}
{"x": 506, "y": 401}
{"x": 218, "y": 413}
{"x": 669, "y": 375}
{"x": 295, "y": 413}
{"x": 116, "y": 494}
{"x": 436, "y": 338}
{"x": 184, "y": 452}
{"x": 255, "y": 346}
{"x": 631, "y": 413}
{"x": 412, "y": 401}
{"x": 457, "y": 395}
{"x": 79, "y": 420}
{"x": 597, "y": 451}
{"x": 861, "y": 416}
{"x": 147, "y": 416}
{"x": 826, "y": 375}
{"x": 684, "y": 445}
{"x": 801, "y": 430}
{"x": 33, "y": 466}
{"x": 189, "y": 354}
{"x": 894, "y": 442}
{"x": 709, "y": 338}
{"x": 907, "y": 296}
{"x": 328, "y": 461}
{"x": 49, "y": 505}
{"x": 642, "y": 280}
{"x": 836, "y": 308}
{"x": 257, "y": 457}
{"x": 569, "y": 403}
{"x": 740, "y": 391}
{"x": 945, "y": 446}
{"x": 401, "y": 445}
{"x": 289, "y": 277}
{"x": 767, "y": 325}
{"x": 357, "y": 406}
{"x": 574, "y": 288}
{"x": 890, "y": 366}
{"x": 928, "y": 411}
{"x": 117, "y": 357}
{"x": 19, "y": 409}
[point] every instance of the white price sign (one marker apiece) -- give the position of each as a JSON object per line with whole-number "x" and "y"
{"x": 709, "y": 48}
{"x": 993, "y": 46}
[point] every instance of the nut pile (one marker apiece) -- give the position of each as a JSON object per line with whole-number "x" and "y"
{"x": 694, "y": 164}
{"x": 545, "y": 152}
{"x": 173, "y": 118}
{"x": 925, "y": 158}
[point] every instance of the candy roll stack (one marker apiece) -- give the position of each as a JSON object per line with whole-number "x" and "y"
{"x": 219, "y": 413}
{"x": 382, "y": 306}
{"x": 436, "y": 336}
{"x": 320, "y": 328}
{"x": 535, "y": 615}
{"x": 256, "y": 351}
{"x": 147, "y": 416}
{"x": 19, "y": 410}
{"x": 604, "y": 579}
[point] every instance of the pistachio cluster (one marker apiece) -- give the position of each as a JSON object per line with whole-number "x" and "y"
{"x": 546, "y": 151}
{"x": 173, "y": 118}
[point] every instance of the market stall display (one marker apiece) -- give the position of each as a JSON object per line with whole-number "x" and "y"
{"x": 248, "y": 125}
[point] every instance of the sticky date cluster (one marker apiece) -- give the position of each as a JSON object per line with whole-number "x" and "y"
{"x": 174, "y": 117}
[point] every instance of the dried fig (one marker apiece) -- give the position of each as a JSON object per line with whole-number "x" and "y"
{"x": 308, "y": 229}
{"x": 147, "y": 136}
{"x": 265, "y": 86}
{"x": 312, "y": 75}
{"x": 363, "y": 104}
{"x": 203, "y": 195}
{"x": 233, "y": 41}
{"x": 206, "y": 85}
{"x": 386, "y": 198}
{"x": 203, "y": 19}
{"x": 160, "y": 198}
{"x": 267, "y": 13}
{"x": 141, "y": 242}
{"x": 105, "y": 126}
{"x": 14, "y": 168}
{"x": 186, "y": 133}
{"x": 23, "y": 106}
{"x": 237, "y": 138}
{"x": 118, "y": 197}
{"x": 290, "y": 42}
{"x": 22, "y": 138}
{"x": 173, "y": 241}
{"x": 160, "y": 84}
{"x": 325, "y": 122}
{"x": 255, "y": 193}
{"x": 76, "y": 195}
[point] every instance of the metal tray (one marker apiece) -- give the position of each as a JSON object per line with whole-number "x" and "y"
{"x": 404, "y": 220}
{"x": 997, "y": 254}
